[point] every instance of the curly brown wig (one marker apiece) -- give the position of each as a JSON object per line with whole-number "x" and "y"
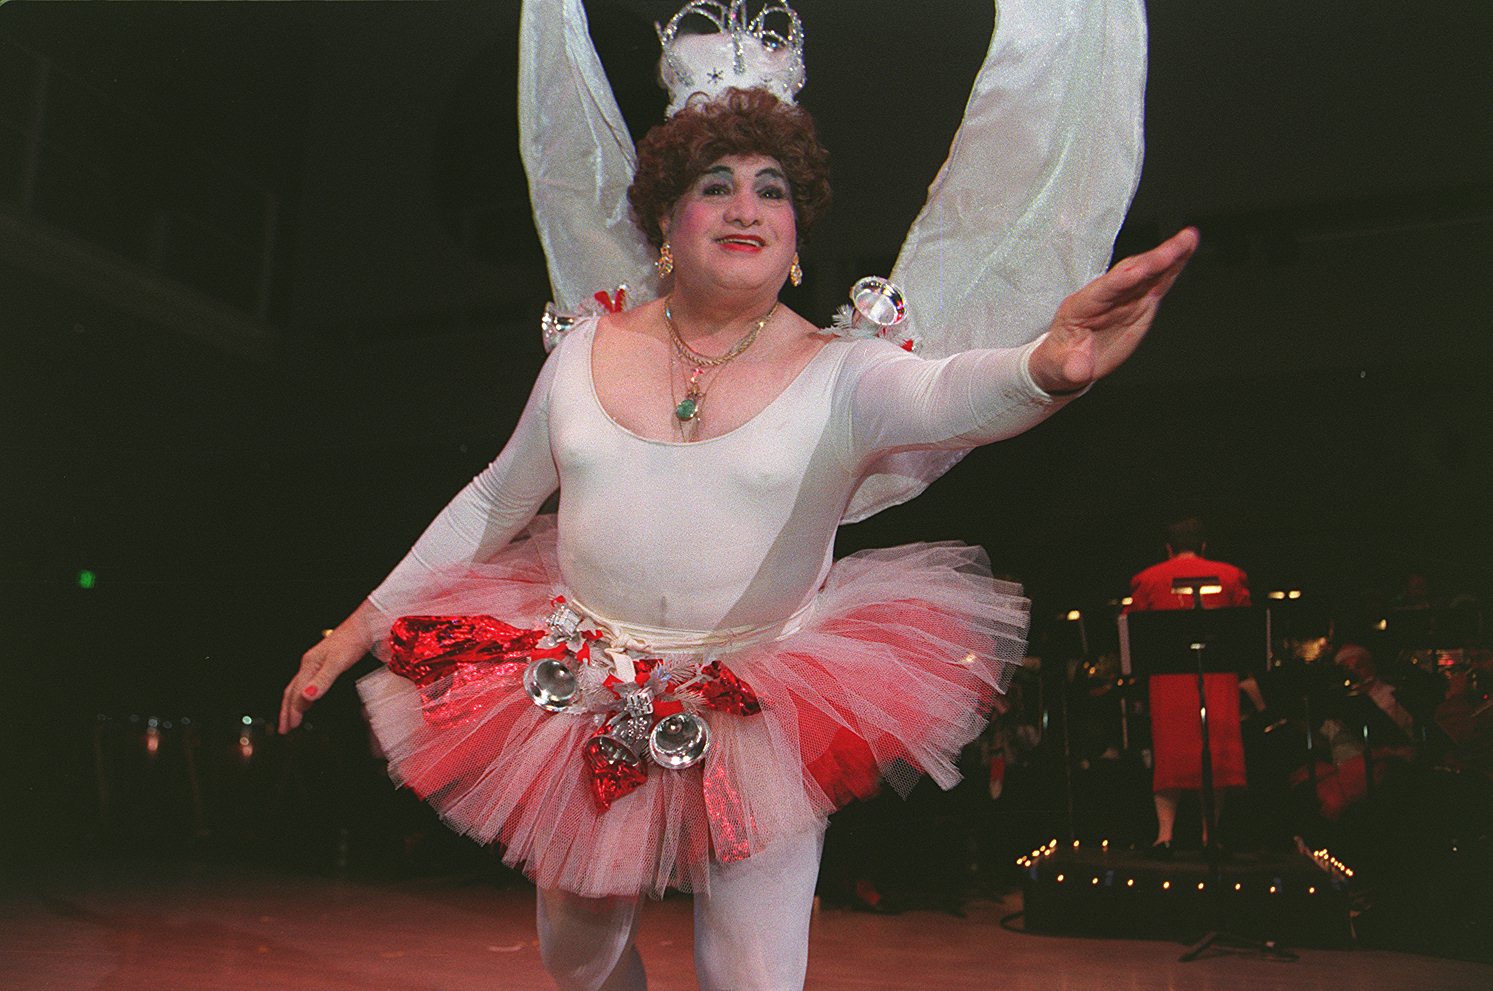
{"x": 738, "y": 122}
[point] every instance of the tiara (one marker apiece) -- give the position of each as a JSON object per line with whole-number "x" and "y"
{"x": 741, "y": 52}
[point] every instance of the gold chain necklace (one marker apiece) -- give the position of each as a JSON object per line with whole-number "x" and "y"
{"x": 699, "y": 360}
{"x": 687, "y": 410}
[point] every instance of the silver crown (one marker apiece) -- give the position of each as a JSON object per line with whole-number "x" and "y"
{"x": 744, "y": 52}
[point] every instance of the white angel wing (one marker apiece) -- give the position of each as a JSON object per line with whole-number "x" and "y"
{"x": 579, "y": 159}
{"x": 1026, "y": 208}
{"x": 1023, "y": 212}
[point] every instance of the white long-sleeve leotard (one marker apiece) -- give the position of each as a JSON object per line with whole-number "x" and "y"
{"x": 732, "y": 532}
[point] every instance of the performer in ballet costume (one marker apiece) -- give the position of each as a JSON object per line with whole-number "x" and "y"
{"x": 671, "y": 682}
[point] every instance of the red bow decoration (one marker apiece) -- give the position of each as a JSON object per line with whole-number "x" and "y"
{"x": 614, "y": 303}
{"x": 725, "y": 692}
{"x": 428, "y": 650}
{"x": 643, "y": 670}
{"x": 424, "y": 648}
{"x": 615, "y": 771}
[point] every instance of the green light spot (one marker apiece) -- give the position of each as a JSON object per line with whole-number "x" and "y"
{"x": 86, "y": 578}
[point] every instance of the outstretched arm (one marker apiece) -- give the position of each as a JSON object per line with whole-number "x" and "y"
{"x": 1026, "y": 207}
{"x": 1097, "y": 328}
{"x": 982, "y": 396}
{"x": 475, "y": 525}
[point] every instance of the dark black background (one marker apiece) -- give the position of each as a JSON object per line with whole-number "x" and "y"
{"x": 269, "y": 294}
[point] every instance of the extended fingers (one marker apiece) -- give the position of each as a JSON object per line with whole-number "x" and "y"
{"x": 1177, "y": 248}
{"x": 289, "y": 717}
{"x": 1175, "y": 253}
{"x": 1180, "y": 246}
{"x": 1138, "y": 277}
{"x": 303, "y": 689}
{"x": 1163, "y": 263}
{"x": 294, "y": 702}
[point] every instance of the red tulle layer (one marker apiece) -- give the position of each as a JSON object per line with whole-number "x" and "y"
{"x": 897, "y": 669}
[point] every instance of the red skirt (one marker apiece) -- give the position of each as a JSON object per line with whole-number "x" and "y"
{"x": 1177, "y": 737}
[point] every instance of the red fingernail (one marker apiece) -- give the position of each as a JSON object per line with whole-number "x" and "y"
{"x": 311, "y": 691}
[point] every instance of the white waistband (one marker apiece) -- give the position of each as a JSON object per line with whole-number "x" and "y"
{"x": 674, "y": 641}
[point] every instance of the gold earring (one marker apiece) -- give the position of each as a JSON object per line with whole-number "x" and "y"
{"x": 665, "y": 263}
{"x": 795, "y": 272}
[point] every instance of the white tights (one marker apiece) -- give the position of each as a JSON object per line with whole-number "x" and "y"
{"x": 751, "y": 930}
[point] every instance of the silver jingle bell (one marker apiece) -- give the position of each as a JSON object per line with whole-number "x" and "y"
{"x": 612, "y": 750}
{"x": 550, "y": 683}
{"x": 679, "y": 741}
{"x": 877, "y": 301}
{"x": 554, "y": 325}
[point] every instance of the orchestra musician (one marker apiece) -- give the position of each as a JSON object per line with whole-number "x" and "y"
{"x": 1175, "y": 729}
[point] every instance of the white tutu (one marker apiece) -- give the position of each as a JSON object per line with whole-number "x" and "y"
{"x": 895, "y": 669}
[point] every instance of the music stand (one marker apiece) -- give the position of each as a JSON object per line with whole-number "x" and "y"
{"x": 1197, "y": 642}
{"x": 1065, "y": 644}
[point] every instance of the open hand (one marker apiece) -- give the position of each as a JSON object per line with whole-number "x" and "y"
{"x": 1098, "y": 327}
{"x": 323, "y": 664}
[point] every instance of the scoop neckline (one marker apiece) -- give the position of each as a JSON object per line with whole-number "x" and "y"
{"x": 596, "y": 399}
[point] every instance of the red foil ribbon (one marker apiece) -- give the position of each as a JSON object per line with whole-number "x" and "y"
{"x": 445, "y": 654}
{"x": 725, "y": 692}
{"x": 611, "y": 776}
{"x": 424, "y": 648}
{"x": 728, "y": 816}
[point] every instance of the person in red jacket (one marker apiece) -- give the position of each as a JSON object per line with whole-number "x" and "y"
{"x": 1176, "y": 733}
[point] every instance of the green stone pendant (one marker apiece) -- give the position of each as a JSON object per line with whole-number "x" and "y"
{"x": 686, "y": 410}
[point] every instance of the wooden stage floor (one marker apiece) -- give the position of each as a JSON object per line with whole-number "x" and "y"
{"x": 176, "y": 926}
